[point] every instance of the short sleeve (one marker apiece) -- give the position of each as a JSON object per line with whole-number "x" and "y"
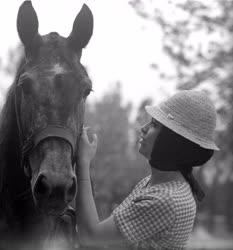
{"x": 144, "y": 217}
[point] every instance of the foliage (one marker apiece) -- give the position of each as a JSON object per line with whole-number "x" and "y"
{"x": 197, "y": 37}
{"x": 15, "y": 56}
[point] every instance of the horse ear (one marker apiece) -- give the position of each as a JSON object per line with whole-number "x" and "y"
{"x": 27, "y": 24}
{"x": 82, "y": 29}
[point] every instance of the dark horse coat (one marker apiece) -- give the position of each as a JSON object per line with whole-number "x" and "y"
{"x": 40, "y": 125}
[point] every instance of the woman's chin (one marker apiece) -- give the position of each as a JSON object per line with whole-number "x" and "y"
{"x": 141, "y": 151}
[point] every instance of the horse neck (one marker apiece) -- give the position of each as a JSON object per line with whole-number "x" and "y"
{"x": 13, "y": 180}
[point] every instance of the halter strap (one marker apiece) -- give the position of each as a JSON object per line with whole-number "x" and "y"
{"x": 17, "y": 110}
{"x": 49, "y": 131}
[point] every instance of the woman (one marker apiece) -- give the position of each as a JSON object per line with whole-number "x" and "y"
{"x": 160, "y": 211}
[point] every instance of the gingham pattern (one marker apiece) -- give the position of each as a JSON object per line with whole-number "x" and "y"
{"x": 157, "y": 217}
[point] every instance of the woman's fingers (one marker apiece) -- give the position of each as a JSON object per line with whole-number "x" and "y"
{"x": 84, "y": 133}
{"x": 89, "y": 135}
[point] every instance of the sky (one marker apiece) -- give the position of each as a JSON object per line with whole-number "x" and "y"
{"x": 122, "y": 47}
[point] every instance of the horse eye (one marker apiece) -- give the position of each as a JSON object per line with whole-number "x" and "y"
{"x": 87, "y": 92}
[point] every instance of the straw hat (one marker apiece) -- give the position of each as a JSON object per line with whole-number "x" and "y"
{"x": 190, "y": 114}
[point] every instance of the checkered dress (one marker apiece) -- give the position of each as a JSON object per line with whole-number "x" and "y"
{"x": 157, "y": 217}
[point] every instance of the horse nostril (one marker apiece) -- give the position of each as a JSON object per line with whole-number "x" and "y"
{"x": 71, "y": 191}
{"x": 41, "y": 187}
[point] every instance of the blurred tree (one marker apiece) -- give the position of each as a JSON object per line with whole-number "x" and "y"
{"x": 15, "y": 56}
{"x": 8, "y": 69}
{"x": 197, "y": 37}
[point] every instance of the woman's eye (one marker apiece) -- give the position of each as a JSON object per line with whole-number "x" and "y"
{"x": 153, "y": 124}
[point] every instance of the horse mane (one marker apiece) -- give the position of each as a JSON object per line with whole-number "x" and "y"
{"x": 9, "y": 150}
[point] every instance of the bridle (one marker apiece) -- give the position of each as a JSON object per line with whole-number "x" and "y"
{"x": 30, "y": 141}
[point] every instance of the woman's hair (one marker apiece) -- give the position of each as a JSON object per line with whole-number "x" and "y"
{"x": 172, "y": 151}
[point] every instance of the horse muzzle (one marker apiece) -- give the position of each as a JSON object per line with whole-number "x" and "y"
{"x": 53, "y": 192}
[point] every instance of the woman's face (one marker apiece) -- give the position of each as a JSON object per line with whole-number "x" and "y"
{"x": 148, "y": 135}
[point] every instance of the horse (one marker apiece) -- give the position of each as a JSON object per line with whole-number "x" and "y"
{"x": 40, "y": 126}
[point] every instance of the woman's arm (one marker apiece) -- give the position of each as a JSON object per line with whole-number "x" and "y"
{"x": 90, "y": 230}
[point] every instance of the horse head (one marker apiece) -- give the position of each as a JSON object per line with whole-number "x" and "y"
{"x": 51, "y": 90}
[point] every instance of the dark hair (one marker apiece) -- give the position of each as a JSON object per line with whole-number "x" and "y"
{"x": 172, "y": 148}
{"x": 173, "y": 152}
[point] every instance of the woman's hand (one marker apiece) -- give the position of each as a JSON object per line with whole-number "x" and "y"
{"x": 87, "y": 147}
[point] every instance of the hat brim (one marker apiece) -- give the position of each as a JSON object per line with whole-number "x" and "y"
{"x": 168, "y": 121}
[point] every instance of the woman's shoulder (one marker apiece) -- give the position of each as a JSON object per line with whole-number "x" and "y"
{"x": 154, "y": 195}
{"x": 170, "y": 188}
{"x": 168, "y": 194}
{"x": 143, "y": 182}
{"x": 172, "y": 192}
